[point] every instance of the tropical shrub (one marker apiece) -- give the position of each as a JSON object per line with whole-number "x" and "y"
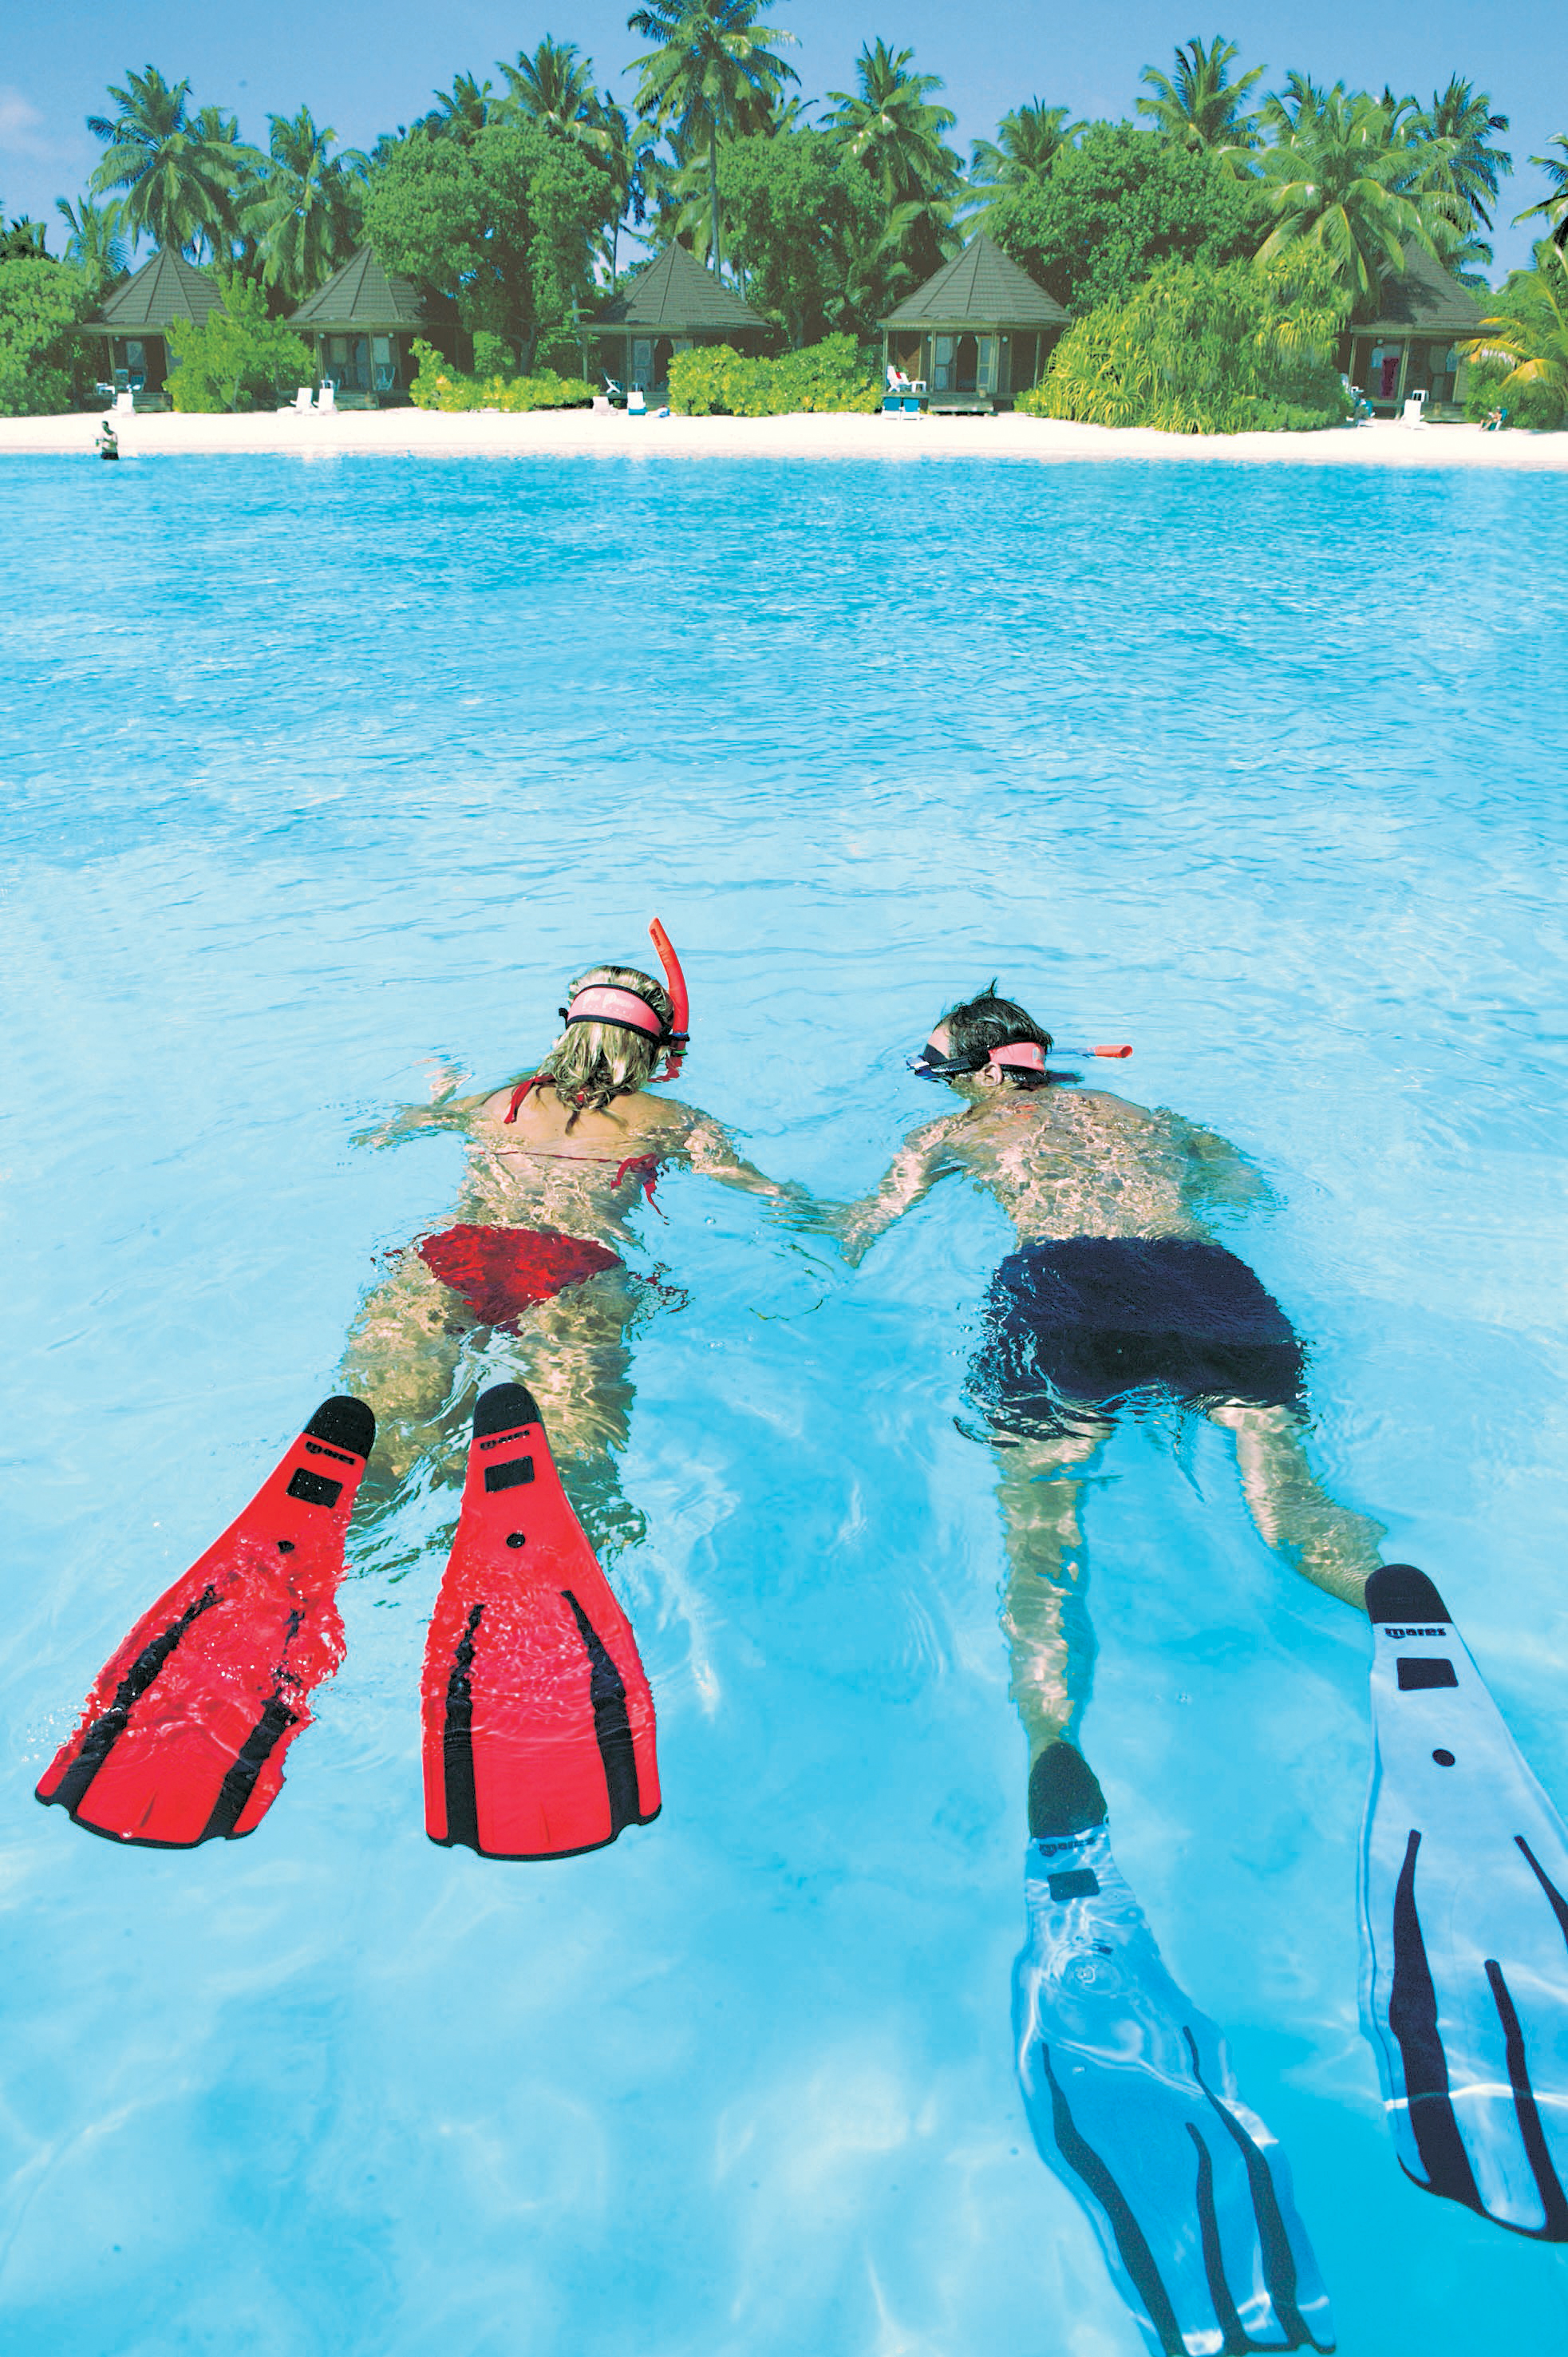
{"x": 1520, "y": 361}
{"x": 714, "y": 382}
{"x": 41, "y": 302}
{"x": 439, "y": 385}
{"x": 1246, "y": 348}
{"x": 238, "y": 358}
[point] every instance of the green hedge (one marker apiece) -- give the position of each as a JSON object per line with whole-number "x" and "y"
{"x": 714, "y": 382}
{"x": 1245, "y": 349}
{"x": 439, "y": 385}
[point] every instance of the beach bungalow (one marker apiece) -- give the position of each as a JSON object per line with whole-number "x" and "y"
{"x": 1412, "y": 344}
{"x": 363, "y": 323}
{"x": 672, "y": 305}
{"x": 135, "y": 319}
{"x": 977, "y": 334}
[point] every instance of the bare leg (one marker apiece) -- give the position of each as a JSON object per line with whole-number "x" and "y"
{"x": 1328, "y": 1543}
{"x": 410, "y": 1354}
{"x": 1040, "y": 1492}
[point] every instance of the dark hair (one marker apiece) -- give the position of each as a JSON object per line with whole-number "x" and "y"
{"x": 978, "y": 1024}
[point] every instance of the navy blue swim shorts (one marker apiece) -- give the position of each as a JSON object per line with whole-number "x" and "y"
{"x": 1085, "y": 1321}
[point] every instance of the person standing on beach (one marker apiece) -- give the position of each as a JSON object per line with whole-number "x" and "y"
{"x": 1117, "y": 1292}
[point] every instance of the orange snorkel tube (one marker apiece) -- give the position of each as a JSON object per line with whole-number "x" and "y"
{"x": 680, "y": 1005}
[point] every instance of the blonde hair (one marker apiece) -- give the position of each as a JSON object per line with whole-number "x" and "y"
{"x": 592, "y": 1063}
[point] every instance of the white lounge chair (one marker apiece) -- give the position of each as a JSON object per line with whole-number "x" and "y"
{"x": 126, "y": 403}
{"x": 1414, "y": 410}
{"x": 301, "y": 405}
{"x": 327, "y": 400}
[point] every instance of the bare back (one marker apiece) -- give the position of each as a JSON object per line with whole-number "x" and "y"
{"x": 1067, "y": 1162}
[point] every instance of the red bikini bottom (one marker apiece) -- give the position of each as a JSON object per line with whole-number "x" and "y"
{"x": 500, "y": 1272}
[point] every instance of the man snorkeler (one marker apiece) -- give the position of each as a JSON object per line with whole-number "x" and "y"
{"x": 1117, "y": 1293}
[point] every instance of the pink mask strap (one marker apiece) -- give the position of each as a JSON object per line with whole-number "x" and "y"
{"x": 601, "y": 1003}
{"x": 1019, "y": 1055}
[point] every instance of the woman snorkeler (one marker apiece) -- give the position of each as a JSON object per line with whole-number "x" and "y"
{"x": 560, "y": 1161}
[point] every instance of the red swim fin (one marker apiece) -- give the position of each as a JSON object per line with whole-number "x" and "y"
{"x": 184, "y": 1734}
{"x": 538, "y": 1736}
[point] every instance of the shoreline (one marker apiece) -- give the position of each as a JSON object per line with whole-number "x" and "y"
{"x": 420, "y": 433}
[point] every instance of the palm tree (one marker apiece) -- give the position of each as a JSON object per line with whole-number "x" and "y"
{"x": 462, "y": 111}
{"x": 1553, "y": 206}
{"x": 1457, "y": 124}
{"x": 180, "y": 173}
{"x": 22, "y": 239}
{"x": 1027, "y": 143}
{"x": 1282, "y": 112}
{"x": 305, "y": 211}
{"x": 710, "y": 65}
{"x": 554, "y": 87}
{"x": 93, "y": 242}
{"x": 1530, "y": 332}
{"x": 626, "y": 156}
{"x": 888, "y": 125}
{"x": 1201, "y": 107}
{"x": 1341, "y": 182}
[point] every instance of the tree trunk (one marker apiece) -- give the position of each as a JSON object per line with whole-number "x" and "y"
{"x": 714, "y": 195}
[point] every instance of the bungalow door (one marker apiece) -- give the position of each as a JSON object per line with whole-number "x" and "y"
{"x": 642, "y": 361}
{"x": 942, "y": 363}
{"x": 986, "y": 365}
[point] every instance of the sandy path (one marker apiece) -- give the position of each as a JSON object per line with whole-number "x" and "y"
{"x": 425, "y": 433}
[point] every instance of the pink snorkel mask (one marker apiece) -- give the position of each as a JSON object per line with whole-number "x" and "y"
{"x": 1015, "y": 1055}
{"x": 603, "y": 1002}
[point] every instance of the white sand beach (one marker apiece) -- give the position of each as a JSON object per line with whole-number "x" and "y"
{"x": 401, "y": 432}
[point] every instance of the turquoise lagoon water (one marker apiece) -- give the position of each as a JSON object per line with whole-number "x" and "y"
{"x": 313, "y": 770}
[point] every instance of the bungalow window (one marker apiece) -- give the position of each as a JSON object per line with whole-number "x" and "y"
{"x": 382, "y": 364}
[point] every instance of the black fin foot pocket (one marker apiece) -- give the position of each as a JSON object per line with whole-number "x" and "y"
{"x": 1065, "y": 1797}
{"x": 502, "y": 1408}
{"x": 344, "y": 1423}
{"x": 1397, "y": 1591}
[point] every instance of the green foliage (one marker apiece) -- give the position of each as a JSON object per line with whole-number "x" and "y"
{"x": 1247, "y": 347}
{"x": 714, "y": 382}
{"x": 304, "y": 211}
{"x": 1522, "y": 349}
{"x": 1353, "y": 177}
{"x": 183, "y": 175}
{"x": 1202, "y": 107}
{"x": 709, "y": 76}
{"x": 41, "y": 302}
{"x": 803, "y": 222}
{"x": 239, "y": 358}
{"x": 888, "y": 125}
{"x": 93, "y": 242}
{"x": 503, "y": 223}
{"x": 1119, "y": 204}
{"x": 439, "y": 385}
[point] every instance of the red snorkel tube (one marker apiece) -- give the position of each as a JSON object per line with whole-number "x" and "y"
{"x": 675, "y": 982}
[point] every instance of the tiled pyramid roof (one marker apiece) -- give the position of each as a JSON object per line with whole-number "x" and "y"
{"x": 980, "y": 287}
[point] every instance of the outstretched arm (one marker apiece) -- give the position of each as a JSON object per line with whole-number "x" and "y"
{"x": 920, "y": 1161}
{"x": 446, "y": 1110}
{"x": 710, "y": 1151}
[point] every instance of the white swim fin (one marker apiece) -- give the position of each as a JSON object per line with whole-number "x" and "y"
{"x": 1133, "y": 2099}
{"x": 1463, "y": 1926}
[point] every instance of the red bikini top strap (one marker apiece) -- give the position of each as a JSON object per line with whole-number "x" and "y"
{"x": 518, "y": 1094}
{"x": 647, "y": 1166}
